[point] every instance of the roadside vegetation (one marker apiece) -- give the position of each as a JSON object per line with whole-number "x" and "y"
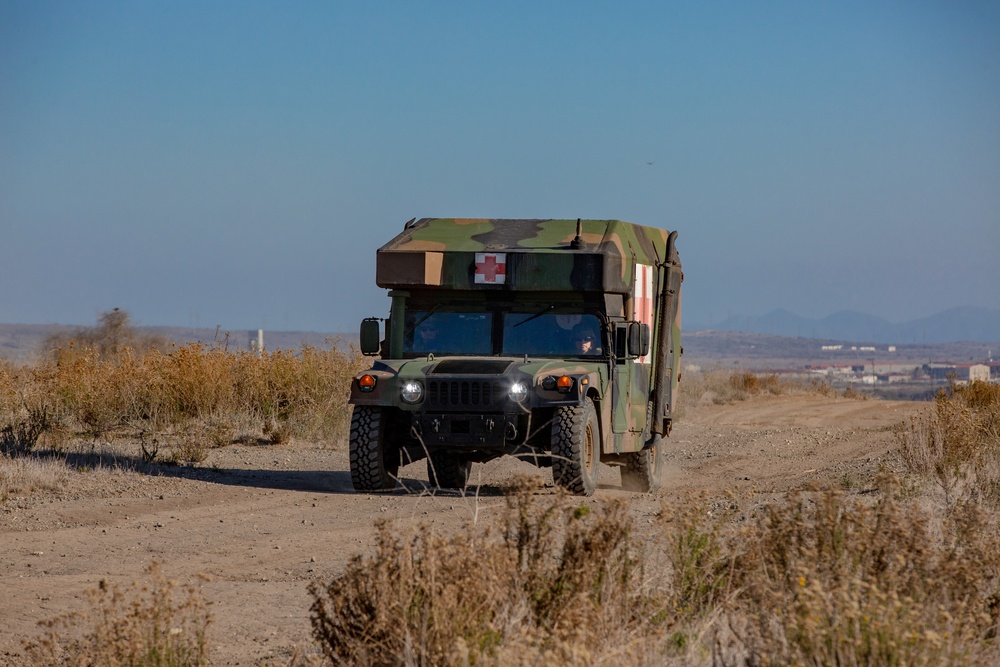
{"x": 907, "y": 573}
{"x": 820, "y": 578}
{"x": 154, "y": 623}
{"x": 720, "y": 387}
{"x": 109, "y": 383}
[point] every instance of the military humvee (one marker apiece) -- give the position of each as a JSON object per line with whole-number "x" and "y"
{"x": 557, "y": 341}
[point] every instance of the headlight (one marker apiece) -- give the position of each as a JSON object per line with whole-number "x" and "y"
{"x": 518, "y": 391}
{"x": 412, "y": 392}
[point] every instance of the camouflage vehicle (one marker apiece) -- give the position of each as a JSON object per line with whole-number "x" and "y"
{"x": 557, "y": 341}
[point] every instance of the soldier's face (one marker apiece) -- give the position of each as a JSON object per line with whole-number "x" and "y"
{"x": 585, "y": 343}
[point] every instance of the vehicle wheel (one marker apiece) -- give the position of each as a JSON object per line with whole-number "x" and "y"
{"x": 576, "y": 448}
{"x": 373, "y": 467}
{"x": 641, "y": 471}
{"x": 447, "y": 470}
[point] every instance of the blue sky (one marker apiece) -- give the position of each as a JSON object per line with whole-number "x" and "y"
{"x": 238, "y": 163}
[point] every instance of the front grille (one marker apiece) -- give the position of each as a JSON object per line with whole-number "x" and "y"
{"x": 481, "y": 394}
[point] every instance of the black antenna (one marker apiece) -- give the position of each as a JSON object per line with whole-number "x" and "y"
{"x": 578, "y": 241}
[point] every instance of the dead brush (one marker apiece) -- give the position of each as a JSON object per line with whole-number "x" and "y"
{"x": 700, "y": 556}
{"x": 197, "y": 381}
{"x": 724, "y": 387}
{"x": 958, "y": 442}
{"x": 28, "y": 412}
{"x": 558, "y": 579}
{"x": 100, "y": 394}
{"x": 188, "y": 450}
{"x": 752, "y": 383}
{"x": 113, "y": 391}
{"x": 9, "y": 384}
{"x": 151, "y": 624}
{"x": 301, "y": 393}
{"x": 828, "y": 580}
{"x": 26, "y": 475}
{"x": 20, "y": 435}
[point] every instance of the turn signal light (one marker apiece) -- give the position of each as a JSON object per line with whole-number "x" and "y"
{"x": 564, "y": 384}
{"x": 366, "y": 382}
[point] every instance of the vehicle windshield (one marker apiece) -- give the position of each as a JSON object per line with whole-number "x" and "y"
{"x": 538, "y": 333}
{"x": 441, "y": 332}
{"x": 552, "y": 334}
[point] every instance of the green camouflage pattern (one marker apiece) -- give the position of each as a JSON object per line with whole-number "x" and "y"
{"x": 392, "y": 374}
{"x": 627, "y": 267}
{"x": 440, "y": 252}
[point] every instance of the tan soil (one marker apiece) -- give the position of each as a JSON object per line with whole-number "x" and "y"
{"x": 264, "y": 521}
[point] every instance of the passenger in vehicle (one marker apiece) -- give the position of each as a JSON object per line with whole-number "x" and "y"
{"x": 426, "y": 338}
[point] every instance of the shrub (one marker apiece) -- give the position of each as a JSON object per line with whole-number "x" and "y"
{"x": 560, "y": 578}
{"x": 830, "y": 580}
{"x": 700, "y": 559}
{"x": 113, "y": 335}
{"x": 723, "y": 387}
{"x": 148, "y": 625}
{"x": 958, "y": 443}
{"x": 19, "y": 436}
{"x": 100, "y": 388}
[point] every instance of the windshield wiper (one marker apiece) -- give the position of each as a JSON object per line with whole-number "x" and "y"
{"x": 423, "y": 319}
{"x": 538, "y": 314}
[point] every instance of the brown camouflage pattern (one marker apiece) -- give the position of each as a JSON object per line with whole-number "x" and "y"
{"x": 544, "y": 256}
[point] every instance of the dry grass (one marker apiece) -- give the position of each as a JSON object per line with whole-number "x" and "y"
{"x": 112, "y": 335}
{"x": 725, "y": 387}
{"x": 829, "y": 580}
{"x": 819, "y": 578}
{"x": 958, "y": 444}
{"x": 822, "y": 578}
{"x": 99, "y": 389}
{"x": 558, "y": 583}
{"x": 152, "y": 624}
{"x": 23, "y": 476}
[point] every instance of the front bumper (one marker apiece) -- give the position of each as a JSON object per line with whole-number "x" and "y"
{"x": 471, "y": 430}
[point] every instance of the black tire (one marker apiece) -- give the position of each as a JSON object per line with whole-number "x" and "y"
{"x": 374, "y": 464}
{"x": 641, "y": 471}
{"x": 446, "y": 470}
{"x": 576, "y": 450}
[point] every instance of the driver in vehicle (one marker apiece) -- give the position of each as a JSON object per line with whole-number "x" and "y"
{"x": 585, "y": 341}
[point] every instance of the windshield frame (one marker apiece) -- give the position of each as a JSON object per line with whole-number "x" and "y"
{"x": 432, "y": 331}
{"x": 508, "y": 329}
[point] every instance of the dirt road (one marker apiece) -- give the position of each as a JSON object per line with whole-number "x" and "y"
{"x": 264, "y": 521}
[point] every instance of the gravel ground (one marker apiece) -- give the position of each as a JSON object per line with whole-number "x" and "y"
{"x": 263, "y": 521}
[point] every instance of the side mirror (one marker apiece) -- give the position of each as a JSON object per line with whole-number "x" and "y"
{"x": 370, "y": 335}
{"x": 638, "y": 339}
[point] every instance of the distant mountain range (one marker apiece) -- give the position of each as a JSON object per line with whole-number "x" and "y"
{"x": 964, "y": 323}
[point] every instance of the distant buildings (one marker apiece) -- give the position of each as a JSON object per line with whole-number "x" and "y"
{"x": 960, "y": 372}
{"x": 887, "y": 373}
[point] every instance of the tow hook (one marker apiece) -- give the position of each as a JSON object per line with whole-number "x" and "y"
{"x": 510, "y": 432}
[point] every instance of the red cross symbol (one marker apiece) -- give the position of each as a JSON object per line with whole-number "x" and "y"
{"x": 642, "y": 295}
{"x": 491, "y": 268}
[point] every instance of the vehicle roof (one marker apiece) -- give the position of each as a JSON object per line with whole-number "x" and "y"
{"x": 538, "y": 254}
